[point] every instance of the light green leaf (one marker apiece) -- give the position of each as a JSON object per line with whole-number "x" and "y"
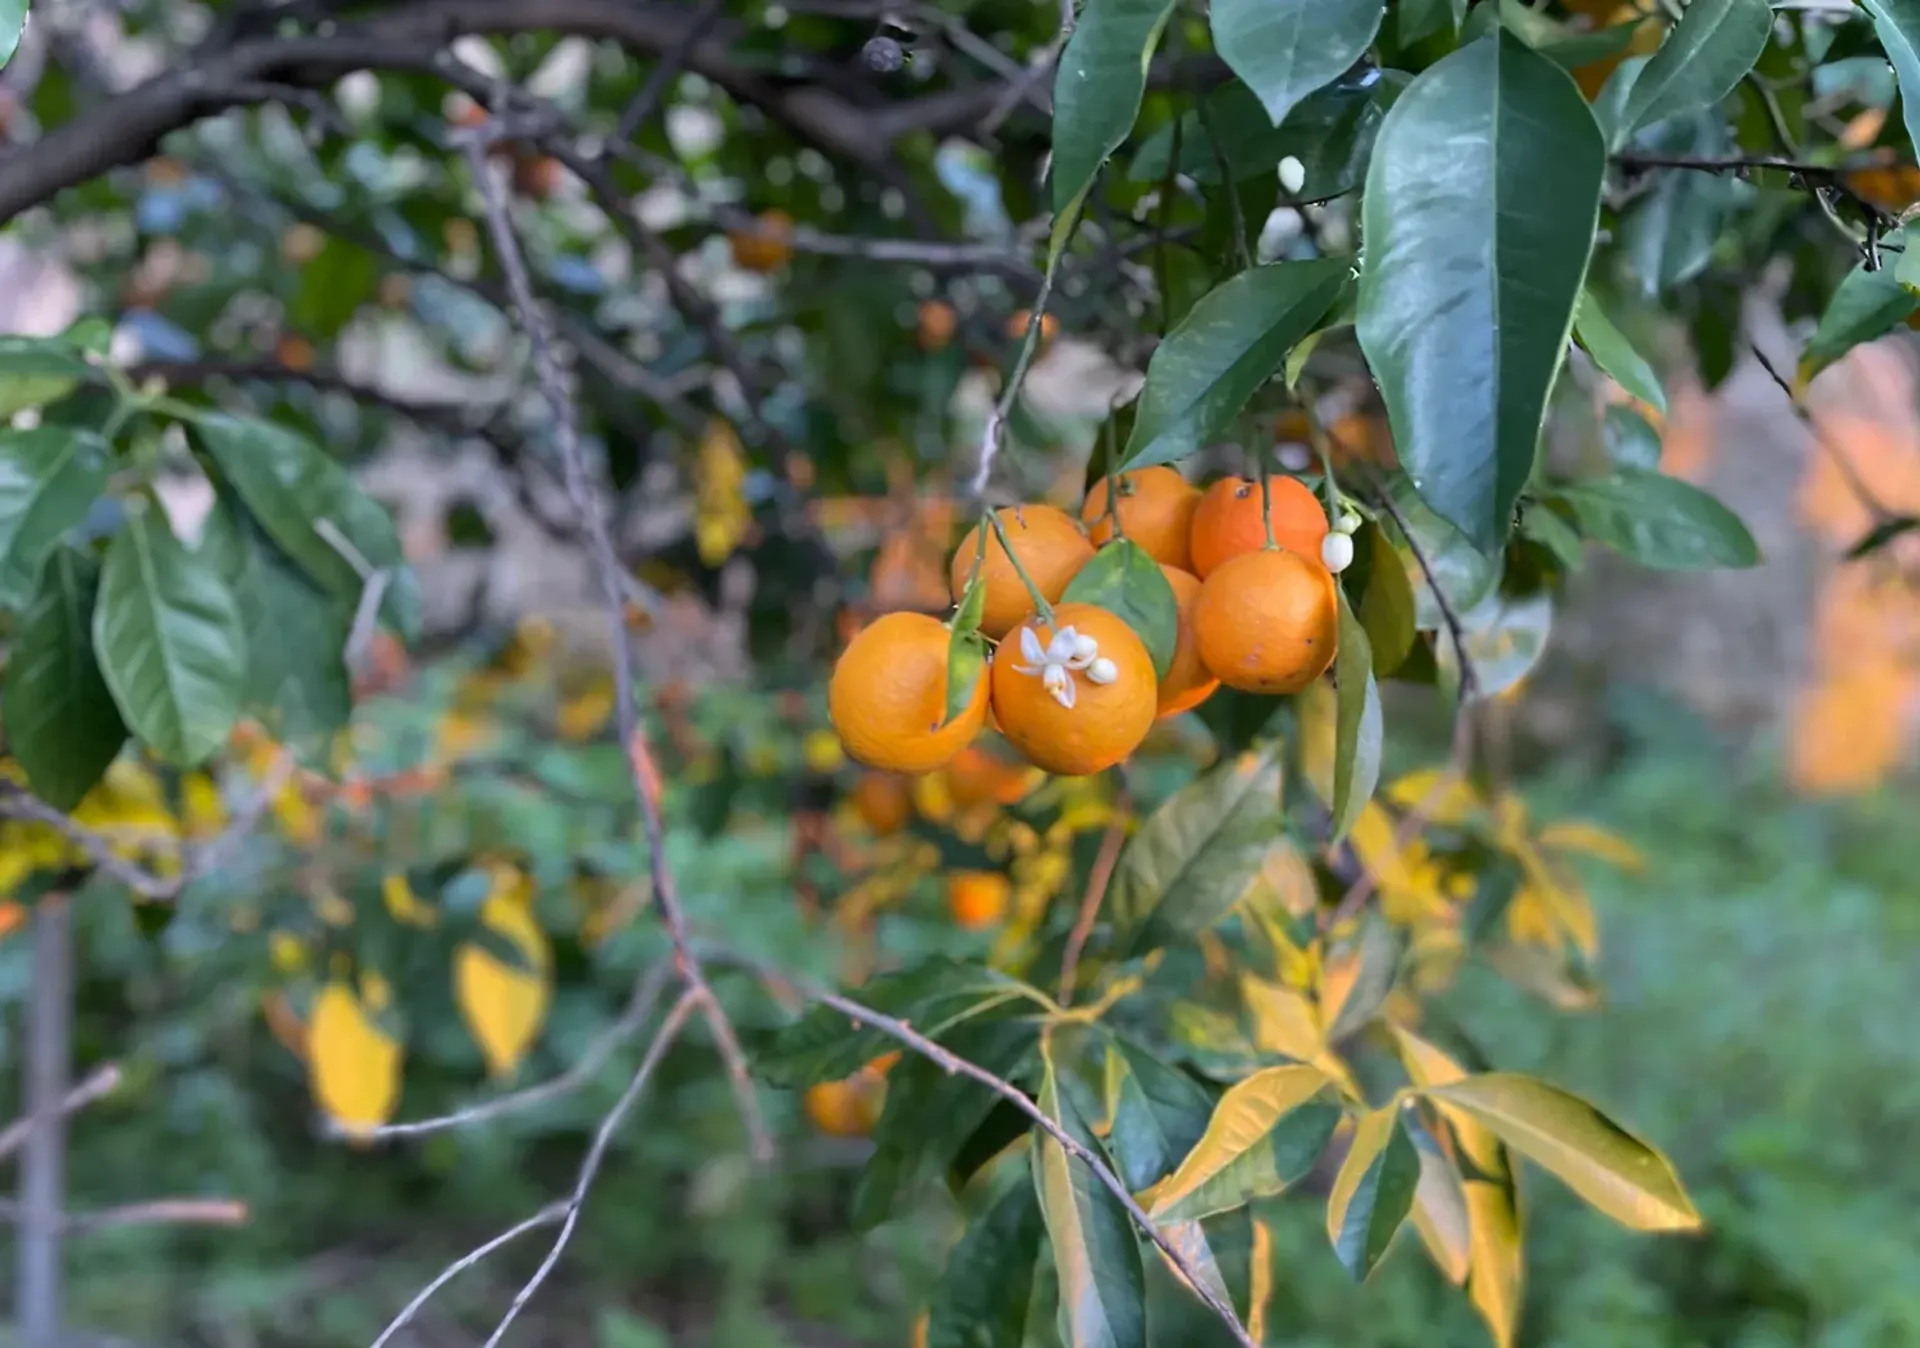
{"x": 1231, "y": 343}
{"x": 1667, "y": 237}
{"x": 1125, "y": 581}
{"x": 168, "y": 634}
{"x": 1480, "y": 211}
{"x": 297, "y": 679}
{"x": 966, "y": 656}
{"x": 1897, "y": 24}
{"x": 981, "y": 1300}
{"x": 1190, "y": 862}
{"x": 1659, "y": 521}
{"x": 1440, "y": 1208}
{"x": 1287, "y": 49}
{"x": 1505, "y": 637}
{"x": 1423, "y": 18}
{"x": 1096, "y": 95}
{"x": 1382, "y": 595}
{"x": 1374, "y": 1190}
{"x": 1631, "y": 440}
{"x": 1703, "y": 57}
{"x": 1605, "y": 1164}
{"x": 1266, "y": 1132}
{"x": 1865, "y": 305}
{"x": 13, "y": 22}
{"x": 36, "y": 370}
{"x": 50, "y": 477}
{"x": 1466, "y": 574}
{"x": 1613, "y": 353}
{"x": 61, "y": 723}
{"x": 1102, "y": 1281}
{"x": 1358, "y": 734}
{"x": 299, "y": 495}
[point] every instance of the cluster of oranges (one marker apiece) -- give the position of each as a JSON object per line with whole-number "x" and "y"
{"x": 1072, "y": 685}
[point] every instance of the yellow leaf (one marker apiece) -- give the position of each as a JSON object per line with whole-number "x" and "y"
{"x": 1574, "y": 836}
{"x": 1407, "y": 878}
{"x": 1260, "y": 1281}
{"x": 1530, "y": 921}
{"x": 200, "y": 803}
{"x": 584, "y": 714}
{"x": 822, "y": 752}
{"x": 1283, "y": 1019}
{"x": 1615, "y": 1171}
{"x": 1440, "y": 1216}
{"x": 459, "y": 734}
{"x": 1373, "y": 1192}
{"x": 404, "y": 904}
{"x": 721, "y": 513}
{"x": 1246, "y": 1152}
{"x": 298, "y": 820}
{"x": 1567, "y": 901}
{"x": 503, "y": 1006}
{"x": 287, "y": 952}
{"x": 353, "y": 1067}
{"x": 1496, "y": 1280}
{"x": 1449, "y": 803}
{"x": 1428, "y": 1066}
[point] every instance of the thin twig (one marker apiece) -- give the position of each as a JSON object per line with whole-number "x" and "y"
{"x": 547, "y": 1216}
{"x": 588, "y": 505}
{"x": 101, "y": 1082}
{"x": 1842, "y": 460}
{"x": 162, "y": 1212}
{"x": 665, "y": 69}
{"x": 1097, "y": 881}
{"x": 994, "y": 435}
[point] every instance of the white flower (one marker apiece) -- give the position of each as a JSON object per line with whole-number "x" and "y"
{"x": 1336, "y": 550}
{"x": 1296, "y": 458}
{"x": 1293, "y": 175}
{"x": 1055, "y": 663}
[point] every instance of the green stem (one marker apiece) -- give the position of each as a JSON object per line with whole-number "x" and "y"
{"x": 1040, "y": 604}
{"x": 1113, "y": 479}
{"x": 1233, "y": 195}
{"x": 1266, "y": 496}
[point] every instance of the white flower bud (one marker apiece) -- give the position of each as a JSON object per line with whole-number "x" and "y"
{"x": 1296, "y": 458}
{"x": 1085, "y": 647}
{"x": 1348, "y": 523}
{"x": 1103, "y": 670}
{"x": 1293, "y": 175}
{"x": 1336, "y": 550}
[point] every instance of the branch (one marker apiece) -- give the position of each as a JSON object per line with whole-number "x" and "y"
{"x": 103, "y": 1081}
{"x": 1842, "y": 460}
{"x": 547, "y": 1216}
{"x": 1097, "y": 881}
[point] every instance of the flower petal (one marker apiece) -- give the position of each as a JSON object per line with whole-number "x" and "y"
{"x": 1030, "y": 647}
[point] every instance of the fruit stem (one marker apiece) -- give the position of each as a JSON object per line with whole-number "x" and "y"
{"x": 1040, "y": 604}
{"x": 1329, "y": 489}
{"x": 1266, "y": 497}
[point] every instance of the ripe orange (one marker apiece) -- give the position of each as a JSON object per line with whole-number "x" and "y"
{"x": 977, "y": 776}
{"x": 1156, "y": 511}
{"x": 1049, "y": 545}
{"x": 766, "y": 248}
{"x": 883, "y": 802}
{"x": 849, "y": 1107}
{"x": 937, "y": 325}
{"x": 1267, "y": 621}
{"x": 1227, "y": 521}
{"x": 1189, "y": 682}
{"x": 977, "y": 899}
{"x": 1105, "y": 722}
{"x": 1017, "y": 326}
{"x": 888, "y": 696}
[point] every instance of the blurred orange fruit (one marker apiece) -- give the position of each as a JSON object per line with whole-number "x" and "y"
{"x": 1228, "y": 521}
{"x": 1017, "y": 326}
{"x": 765, "y": 248}
{"x": 1047, "y": 543}
{"x": 1156, "y": 507}
{"x": 1075, "y": 717}
{"x": 1267, "y": 621}
{"x": 538, "y": 177}
{"x": 849, "y": 1107}
{"x": 888, "y": 696}
{"x": 978, "y": 777}
{"x": 977, "y": 899}
{"x": 938, "y": 322}
{"x": 1189, "y": 682}
{"x": 883, "y": 801}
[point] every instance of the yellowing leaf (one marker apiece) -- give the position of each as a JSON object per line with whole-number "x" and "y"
{"x": 504, "y": 1007}
{"x": 298, "y": 820}
{"x": 1563, "y": 898}
{"x": 200, "y": 803}
{"x": 404, "y": 904}
{"x": 1427, "y": 1066}
{"x": 721, "y": 513}
{"x": 459, "y": 734}
{"x": 1407, "y": 878}
{"x": 1495, "y": 1281}
{"x": 584, "y": 714}
{"x": 1615, "y": 1171}
{"x": 1284, "y": 1020}
{"x": 1440, "y": 1215}
{"x": 1374, "y": 1190}
{"x": 1592, "y": 840}
{"x": 1453, "y": 802}
{"x": 1265, "y": 1133}
{"x": 353, "y": 1067}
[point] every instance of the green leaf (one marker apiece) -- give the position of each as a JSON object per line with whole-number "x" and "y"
{"x": 1605, "y": 1164}
{"x": 1374, "y": 1190}
{"x": 297, "y": 679}
{"x": 296, "y": 492}
{"x": 1466, "y": 574}
{"x": 1358, "y": 975}
{"x": 1358, "y": 734}
{"x": 1287, "y": 49}
{"x": 1159, "y": 1113}
{"x": 61, "y": 723}
{"x": 1190, "y": 862}
{"x": 981, "y": 1300}
{"x": 169, "y": 637}
{"x": 1897, "y": 24}
{"x": 1125, "y": 581}
{"x": 1423, "y": 18}
{"x": 13, "y": 22}
{"x": 37, "y": 370}
{"x": 1378, "y": 587}
{"x": 1631, "y": 440}
{"x": 1613, "y": 353}
{"x": 1266, "y": 1132}
{"x": 1703, "y": 57}
{"x": 1667, "y": 238}
{"x": 1541, "y": 523}
{"x": 1440, "y": 1206}
{"x": 966, "y": 658}
{"x": 1102, "y": 1282}
{"x": 50, "y": 477}
{"x": 1505, "y": 637}
{"x": 1231, "y": 343}
{"x": 1096, "y": 94}
{"x": 1479, "y": 214}
{"x": 1659, "y": 521}
{"x": 1865, "y": 305}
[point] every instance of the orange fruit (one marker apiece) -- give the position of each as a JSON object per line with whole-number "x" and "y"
{"x": 1107, "y": 720}
{"x": 977, "y": 899}
{"x": 765, "y": 248}
{"x": 883, "y": 802}
{"x": 849, "y": 1107}
{"x": 538, "y": 177}
{"x": 937, "y": 325}
{"x": 1227, "y": 522}
{"x": 1156, "y": 511}
{"x": 1189, "y": 682}
{"x": 1267, "y": 621}
{"x": 888, "y": 696}
{"x": 1017, "y": 326}
{"x": 1049, "y": 545}
{"x": 977, "y": 777}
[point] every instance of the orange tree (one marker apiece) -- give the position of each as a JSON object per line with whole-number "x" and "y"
{"x": 797, "y": 254}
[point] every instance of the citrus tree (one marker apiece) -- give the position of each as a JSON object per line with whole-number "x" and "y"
{"x": 1383, "y": 297}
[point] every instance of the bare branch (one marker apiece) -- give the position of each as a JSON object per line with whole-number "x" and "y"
{"x": 162, "y": 1212}
{"x": 101, "y": 1082}
{"x": 666, "y": 68}
{"x": 1842, "y": 460}
{"x": 547, "y": 1216}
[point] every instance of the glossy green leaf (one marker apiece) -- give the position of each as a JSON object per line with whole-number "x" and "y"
{"x": 1703, "y": 57}
{"x": 1659, "y": 521}
{"x": 1192, "y": 859}
{"x": 1159, "y": 1112}
{"x": 981, "y": 1299}
{"x": 1232, "y": 342}
{"x": 1540, "y": 523}
{"x": 1506, "y": 635}
{"x": 966, "y": 658}
{"x": 1125, "y": 581}
{"x": 1897, "y": 24}
{"x": 1616, "y": 1172}
{"x": 50, "y": 477}
{"x": 168, "y": 634}
{"x": 1631, "y": 440}
{"x": 1667, "y": 236}
{"x": 1419, "y": 19}
{"x": 300, "y": 496}
{"x": 13, "y": 22}
{"x": 37, "y": 370}
{"x": 62, "y": 725}
{"x": 1358, "y": 731}
{"x": 1614, "y": 354}
{"x": 1373, "y": 1193}
{"x": 1095, "y": 1255}
{"x": 1287, "y": 49}
{"x": 1462, "y": 571}
{"x": 1096, "y": 94}
{"x": 1382, "y": 595}
{"x": 1266, "y": 1132}
{"x": 1480, "y": 211}
{"x": 1865, "y": 305}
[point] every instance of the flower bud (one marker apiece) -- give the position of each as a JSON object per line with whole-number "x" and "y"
{"x": 1103, "y": 670}
{"x": 1336, "y": 550}
{"x": 1293, "y": 175}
